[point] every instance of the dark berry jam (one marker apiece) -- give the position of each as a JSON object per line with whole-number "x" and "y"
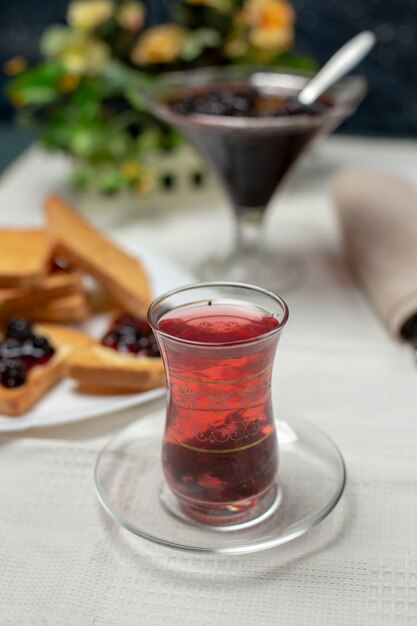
{"x": 242, "y": 102}
{"x": 251, "y": 160}
{"x": 18, "y": 329}
{"x": 21, "y": 350}
{"x": 12, "y": 373}
{"x": 131, "y": 335}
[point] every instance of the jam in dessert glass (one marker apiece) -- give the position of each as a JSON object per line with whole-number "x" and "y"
{"x": 245, "y": 122}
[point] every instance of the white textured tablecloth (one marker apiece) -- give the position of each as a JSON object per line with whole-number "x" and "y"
{"x": 63, "y": 561}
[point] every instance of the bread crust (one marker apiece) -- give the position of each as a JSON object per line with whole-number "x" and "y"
{"x": 70, "y": 309}
{"x": 84, "y": 247}
{"x": 98, "y": 367}
{"x": 56, "y": 285}
{"x": 24, "y": 258}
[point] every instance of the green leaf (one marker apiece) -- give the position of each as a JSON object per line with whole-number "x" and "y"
{"x": 171, "y": 140}
{"x": 85, "y": 141}
{"x": 208, "y": 37}
{"x": 109, "y": 181}
{"x": 297, "y": 61}
{"x": 37, "y": 86}
{"x": 197, "y": 41}
{"x": 38, "y": 95}
{"x": 81, "y": 176}
{"x": 135, "y": 99}
{"x": 46, "y": 74}
{"x": 121, "y": 76}
{"x": 149, "y": 140}
{"x": 127, "y": 81}
{"x": 117, "y": 146}
{"x": 57, "y": 136}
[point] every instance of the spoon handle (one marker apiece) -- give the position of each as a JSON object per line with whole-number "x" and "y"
{"x": 337, "y": 66}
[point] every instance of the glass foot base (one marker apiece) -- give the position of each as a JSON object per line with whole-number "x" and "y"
{"x": 274, "y": 271}
{"x": 238, "y": 515}
{"x": 132, "y": 488}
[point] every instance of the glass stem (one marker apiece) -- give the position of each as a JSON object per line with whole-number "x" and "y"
{"x": 248, "y": 231}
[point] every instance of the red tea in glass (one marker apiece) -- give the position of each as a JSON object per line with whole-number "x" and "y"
{"x": 220, "y": 452}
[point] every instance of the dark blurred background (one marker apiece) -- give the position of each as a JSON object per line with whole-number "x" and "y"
{"x": 322, "y": 26}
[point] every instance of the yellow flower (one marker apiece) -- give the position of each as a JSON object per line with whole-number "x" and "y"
{"x": 84, "y": 55}
{"x": 86, "y": 15}
{"x": 278, "y": 39}
{"x": 268, "y": 13}
{"x": 68, "y": 83}
{"x": 160, "y": 44}
{"x": 140, "y": 176}
{"x": 146, "y": 182}
{"x": 131, "y": 16}
{"x": 271, "y": 24}
{"x": 15, "y": 66}
{"x": 79, "y": 52}
{"x": 130, "y": 170}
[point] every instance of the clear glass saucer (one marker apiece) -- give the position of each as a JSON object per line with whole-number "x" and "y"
{"x": 131, "y": 487}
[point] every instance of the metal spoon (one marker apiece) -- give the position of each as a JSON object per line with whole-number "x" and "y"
{"x": 345, "y": 59}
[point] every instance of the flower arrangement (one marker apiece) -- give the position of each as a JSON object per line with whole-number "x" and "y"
{"x": 84, "y": 91}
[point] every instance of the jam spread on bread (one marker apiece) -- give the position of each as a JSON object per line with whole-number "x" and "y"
{"x": 21, "y": 350}
{"x": 133, "y": 335}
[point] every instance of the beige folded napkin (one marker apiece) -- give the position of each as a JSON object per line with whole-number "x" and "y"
{"x": 378, "y": 215}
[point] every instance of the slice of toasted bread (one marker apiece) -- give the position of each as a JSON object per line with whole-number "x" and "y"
{"x": 73, "y": 308}
{"x": 84, "y": 247}
{"x": 42, "y": 377}
{"x": 24, "y": 257}
{"x": 97, "y": 367}
{"x": 56, "y": 285}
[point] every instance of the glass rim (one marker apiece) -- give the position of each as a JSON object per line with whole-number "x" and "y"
{"x": 355, "y": 84}
{"x": 217, "y": 344}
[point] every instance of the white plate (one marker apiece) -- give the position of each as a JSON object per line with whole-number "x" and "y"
{"x": 63, "y": 404}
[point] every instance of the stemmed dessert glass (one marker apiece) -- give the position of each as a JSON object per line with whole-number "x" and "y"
{"x": 250, "y": 155}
